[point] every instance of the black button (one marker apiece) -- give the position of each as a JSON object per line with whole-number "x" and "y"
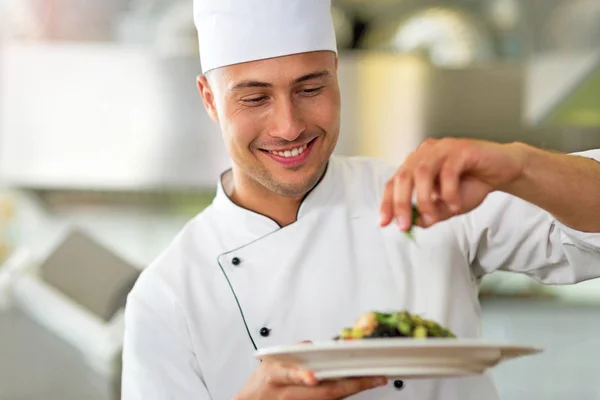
{"x": 264, "y": 332}
{"x": 235, "y": 261}
{"x": 399, "y": 384}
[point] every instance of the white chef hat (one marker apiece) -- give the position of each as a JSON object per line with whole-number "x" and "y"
{"x": 237, "y": 31}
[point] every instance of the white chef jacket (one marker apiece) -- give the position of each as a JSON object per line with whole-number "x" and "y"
{"x": 195, "y": 315}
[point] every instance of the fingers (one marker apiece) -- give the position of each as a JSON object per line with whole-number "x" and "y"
{"x": 433, "y": 174}
{"x": 348, "y": 387}
{"x": 418, "y": 173}
{"x": 351, "y": 387}
{"x": 403, "y": 184}
{"x": 450, "y": 177}
{"x": 397, "y": 197}
{"x": 289, "y": 381}
{"x": 442, "y": 213}
{"x": 387, "y": 204}
{"x": 288, "y": 375}
{"x": 426, "y": 177}
{"x": 333, "y": 390}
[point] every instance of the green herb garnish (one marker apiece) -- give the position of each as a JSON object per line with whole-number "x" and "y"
{"x": 415, "y": 217}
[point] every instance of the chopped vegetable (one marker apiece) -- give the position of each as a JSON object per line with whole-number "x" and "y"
{"x": 420, "y": 332}
{"x": 398, "y": 324}
{"x": 366, "y": 323}
{"x": 357, "y": 334}
{"x": 346, "y": 333}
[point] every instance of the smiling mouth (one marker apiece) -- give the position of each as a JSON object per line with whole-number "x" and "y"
{"x": 290, "y": 152}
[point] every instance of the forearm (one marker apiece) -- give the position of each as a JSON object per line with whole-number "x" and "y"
{"x": 566, "y": 186}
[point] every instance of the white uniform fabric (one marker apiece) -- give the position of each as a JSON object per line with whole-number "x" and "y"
{"x": 237, "y": 31}
{"x": 187, "y": 339}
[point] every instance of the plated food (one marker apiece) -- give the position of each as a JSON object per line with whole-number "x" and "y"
{"x": 403, "y": 346}
{"x": 394, "y": 325}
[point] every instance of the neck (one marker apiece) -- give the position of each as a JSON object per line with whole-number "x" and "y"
{"x": 254, "y": 197}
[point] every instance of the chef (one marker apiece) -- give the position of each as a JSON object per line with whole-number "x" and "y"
{"x": 298, "y": 243}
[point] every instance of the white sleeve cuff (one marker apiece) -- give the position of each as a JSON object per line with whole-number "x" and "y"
{"x": 588, "y": 240}
{"x": 594, "y": 154}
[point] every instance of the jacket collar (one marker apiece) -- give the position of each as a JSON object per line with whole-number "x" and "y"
{"x": 258, "y": 225}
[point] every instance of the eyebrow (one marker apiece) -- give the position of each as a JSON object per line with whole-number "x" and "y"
{"x": 312, "y": 75}
{"x": 253, "y": 84}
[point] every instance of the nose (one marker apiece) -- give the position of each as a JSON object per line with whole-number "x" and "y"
{"x": 288, "y": 122}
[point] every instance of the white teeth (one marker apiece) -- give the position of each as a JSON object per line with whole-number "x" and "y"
{"x": 290, "y": 153}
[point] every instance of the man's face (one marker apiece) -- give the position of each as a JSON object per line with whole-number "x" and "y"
{"x": 280, "y": 118}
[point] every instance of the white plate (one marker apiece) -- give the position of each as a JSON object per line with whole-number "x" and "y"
{"x": 397, "y": 358}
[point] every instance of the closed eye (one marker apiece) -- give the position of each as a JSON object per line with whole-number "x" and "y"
{"x": 312, "y": 91}
{"x": 254, "y": 100}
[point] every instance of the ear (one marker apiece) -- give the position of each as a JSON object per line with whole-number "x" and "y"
{"x": 208, "y": 97}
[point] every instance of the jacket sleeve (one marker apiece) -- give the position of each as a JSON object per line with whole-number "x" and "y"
{"x": 507, "y": 233}
{"x": 158, "y": 360}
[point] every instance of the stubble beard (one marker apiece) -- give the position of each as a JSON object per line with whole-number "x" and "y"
{"x": 291, "y": 190}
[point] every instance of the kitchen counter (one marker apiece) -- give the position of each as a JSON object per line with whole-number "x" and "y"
{"x": 35, "y": 365}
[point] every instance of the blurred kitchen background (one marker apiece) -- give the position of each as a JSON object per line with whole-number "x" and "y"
{"x": 106, "y": 151}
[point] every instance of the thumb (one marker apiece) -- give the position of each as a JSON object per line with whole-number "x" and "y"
{"x": 472, "y": 193}
{"x": 290, "y": 375}
{"x": 286, "y": 374}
